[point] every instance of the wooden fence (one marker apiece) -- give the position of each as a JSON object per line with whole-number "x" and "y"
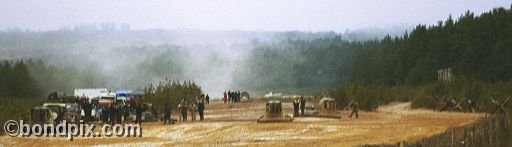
{"x": 490, "y": 131}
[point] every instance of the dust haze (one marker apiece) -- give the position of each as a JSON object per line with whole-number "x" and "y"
{"x": 124, "y": 58}
{"x": 128, "y": 45}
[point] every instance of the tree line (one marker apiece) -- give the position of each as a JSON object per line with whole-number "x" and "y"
{"x": 171, "y": 93}
{"x": 29, "y": 79}
{"x": 395, "y": 68}
{"x": 15, "y": 80}
{"x": 476, "y": 48}
{"x": 297, "y": 65}
{"x": 473, "y": 46}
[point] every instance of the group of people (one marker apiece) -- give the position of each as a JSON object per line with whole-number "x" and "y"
{"x": 196, "y": 106}
{"x": 117, "y": 113}
{"x": 114, "y": 113}
{"x": 299, "y": 104}
{"x": 232, "y": 96}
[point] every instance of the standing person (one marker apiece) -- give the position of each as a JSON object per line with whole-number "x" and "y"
{"x": 184, "y": 109}
{"x": 154, "y": 110}
{"x": 296, "y": 102}
{"x": 104, "y": 114}
{"x": 193, "y": 109}
{"x": 167, "y": 114}
{"x": 207, "y": 99}
{"x": 238, "y": 96}
{"x": 180, "y": 117}
{"x": 225, "y": 96}
{"x": 60, "y": 115}
{"x": 354, "y": 106}
{"x": 200, "y": 108}
{"x": 229, "y": 96}
{"x": 471, "y": 105}
{"x": 138, "y": 113}
{"x": 235, "y": 96}
{"x": 302, "y": 105}
{"x": 113, "y": 114}
{"x": 126, "y": 113}
{"x": 87, "y": 110}
{"x": 99, "y": 113}
{"x": 120, "y": 113}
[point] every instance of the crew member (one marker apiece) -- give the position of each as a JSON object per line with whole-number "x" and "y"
{"x": 184, "y": 109}
{"x": 302, "y": 105}
{"x": 167, "y": 114}
{"x": 200, "y": 108}
{"x": 354, "y": 106}
{"x": 296, "y": 102}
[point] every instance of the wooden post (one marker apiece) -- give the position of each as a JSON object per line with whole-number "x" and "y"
{"x": 452, "y": 142}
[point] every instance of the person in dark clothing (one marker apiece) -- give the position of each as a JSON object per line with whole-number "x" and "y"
{"x": 120, "y": 113}
{"x": 302, "y": 105}
{"x": 138, "y": 113}
{"x": 104, "y": 115}
{"x": 167, "y": 114}
{"x": 238, "y": 96}
{"x": 229, "y": 96}
{"x": 60, "y": 115}
{"x": 235, "y": 97}
{"x": 207, "y": 99}
{"x": 355, "y": 107}
{"x": 87, "y": 110}
{"x": 126, "y": 113}
{"x": 113, "y": 114}
{"x": 184, "y": 109}
{"x": 200, "y": 108}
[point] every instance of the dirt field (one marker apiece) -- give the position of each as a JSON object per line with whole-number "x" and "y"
{"x": 234, "y": 124}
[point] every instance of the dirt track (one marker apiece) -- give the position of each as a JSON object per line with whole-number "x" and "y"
{"x": 234, "y": 124}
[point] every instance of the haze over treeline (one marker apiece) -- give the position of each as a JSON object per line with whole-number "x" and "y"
{"x": 118, "y": 57}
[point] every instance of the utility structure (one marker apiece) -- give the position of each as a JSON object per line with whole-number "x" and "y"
{"x": 445, "y": 75}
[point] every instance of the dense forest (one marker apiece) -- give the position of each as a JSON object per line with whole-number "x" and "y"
{"x": 473, "y": 46}
{"x": 298, "y": 65}
{"x": 30, "y": 79}
{"x": 16, "y": 81}
{"x": 395, "y": 68}
{"x": 477, "y": 48}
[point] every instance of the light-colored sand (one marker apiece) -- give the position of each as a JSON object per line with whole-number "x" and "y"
{"x": 235, "y": 125}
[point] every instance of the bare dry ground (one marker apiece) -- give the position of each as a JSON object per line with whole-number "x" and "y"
{"x": 234, "y": 124}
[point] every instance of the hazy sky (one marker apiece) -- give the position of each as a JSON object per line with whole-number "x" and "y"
{"x": 267, "y": 15}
